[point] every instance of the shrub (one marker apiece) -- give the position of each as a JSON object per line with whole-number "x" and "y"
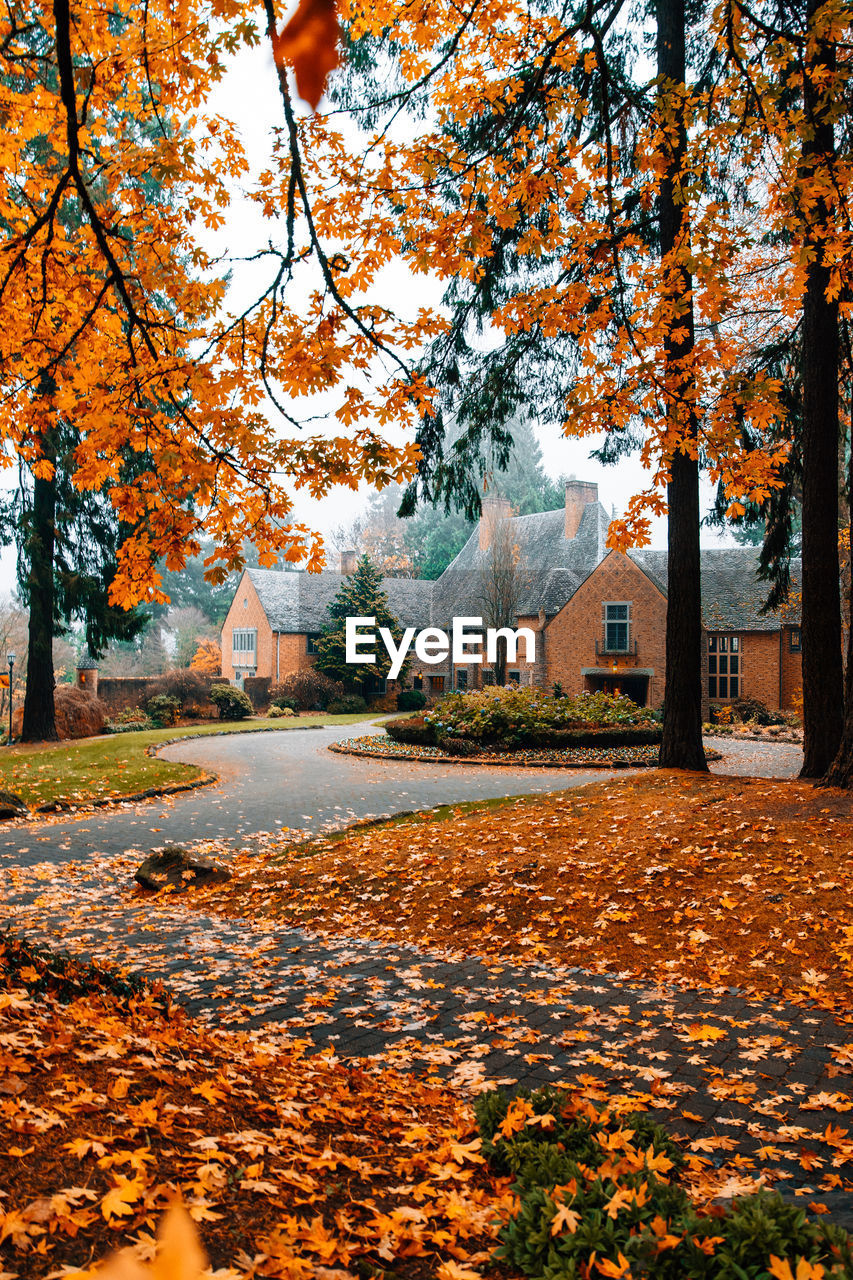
{"x": 189, "y": 687}
{"x": 131, "y": 716}
{"x": 348, "y": 705}
{"x": 411, "y": 700}
{"x": 78, "y": 714}
{"x": 285, "y": 704}
{"x": 756, "y": 711}
{"x": 512, "y": 718}
{"x": 231, "y": 703}
{"x": 415, "y": 731}
{"x": 559, "y": 1151}
{"x": 308, "y": 690}
{"x": 280, "y": 713}
{"x": 163, "y": 710}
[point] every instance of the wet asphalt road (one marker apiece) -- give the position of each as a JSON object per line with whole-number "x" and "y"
{"x": 288, "y": 779}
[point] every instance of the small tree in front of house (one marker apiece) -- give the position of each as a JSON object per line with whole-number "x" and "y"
{"x": 360, "y": 596}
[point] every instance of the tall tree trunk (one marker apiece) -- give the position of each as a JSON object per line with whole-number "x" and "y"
{"x": 823, "y": 716}
{"x": 840, "y": 772}
{"x": 39, "y": 719}
{"x": 681, "y": 746}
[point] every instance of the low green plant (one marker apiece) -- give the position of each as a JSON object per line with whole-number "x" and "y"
{"x": 129, "y": 720}
{"x": 163, "y": 710}
{"x": 230, "y": 702}
{"x": 411, "y": 700}
{"x": 514, "y": 718}
{"x": 280, "y": 713}
{"x": 599, "y": 1194}
{"x": 130, "y": 715}
{"x": 350, "y": 704}
{"x": 284, "y": 704}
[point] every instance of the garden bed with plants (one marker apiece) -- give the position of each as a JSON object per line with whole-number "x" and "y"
{"x": 751, "y": 720}
{"x": 502, "y": 720}
{"x": 381, "y": 747}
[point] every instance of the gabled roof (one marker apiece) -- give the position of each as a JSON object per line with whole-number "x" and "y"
{"x": 297, "y": 602}
{"x": 732, "y": 593}
{"x": 551, "y": 566}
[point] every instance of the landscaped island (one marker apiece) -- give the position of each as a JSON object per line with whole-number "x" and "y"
{"x": 513, "y": 719}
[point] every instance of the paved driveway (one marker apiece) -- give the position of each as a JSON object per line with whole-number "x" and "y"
{"x": 268, "y": 781}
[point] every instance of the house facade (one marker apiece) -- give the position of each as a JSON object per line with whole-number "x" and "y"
{"x": 598, "y": 616}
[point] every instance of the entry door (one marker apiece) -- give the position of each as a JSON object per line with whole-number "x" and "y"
{"x": 634, "y": 687}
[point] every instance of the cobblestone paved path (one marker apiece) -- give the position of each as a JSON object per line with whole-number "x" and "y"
{"x": 732, "y": 1075}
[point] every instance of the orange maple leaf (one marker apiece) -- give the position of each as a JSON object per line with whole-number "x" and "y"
{"x": 310, "y": 43}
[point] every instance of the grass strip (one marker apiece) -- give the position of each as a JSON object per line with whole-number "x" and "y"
{"x": 87, "y": 770}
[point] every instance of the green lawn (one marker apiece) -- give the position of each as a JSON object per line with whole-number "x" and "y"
{"x": 114, "y": 766}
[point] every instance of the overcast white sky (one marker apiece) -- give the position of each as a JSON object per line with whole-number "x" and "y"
{"x": 249, "y": 95}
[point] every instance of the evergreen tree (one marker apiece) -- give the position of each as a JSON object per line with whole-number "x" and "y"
{"x": 67, "y": 540}
{"x": 360, "y": 596}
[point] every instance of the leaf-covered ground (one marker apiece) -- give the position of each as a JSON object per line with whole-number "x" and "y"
{"x": 733, "y": 882}
{"x": 654, "y": 882}
{"x": 291, "y": 1166}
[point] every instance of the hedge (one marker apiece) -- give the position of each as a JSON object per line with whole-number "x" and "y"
{"x": 417, "y": 731}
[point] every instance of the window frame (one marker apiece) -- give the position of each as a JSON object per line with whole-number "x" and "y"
{"x": 725, "y": 666}
{"x": 239, "y": 649}
{"x": 311, "y": 639}
{"x": 626, "y": 621}
{"x": 795, "y": 640}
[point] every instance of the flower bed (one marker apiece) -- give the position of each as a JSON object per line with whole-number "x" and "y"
{"x": 513, "y": 719}
{"x": 380, "y": 747}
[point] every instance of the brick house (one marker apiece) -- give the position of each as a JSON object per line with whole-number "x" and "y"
{"x": 599, "y": 617}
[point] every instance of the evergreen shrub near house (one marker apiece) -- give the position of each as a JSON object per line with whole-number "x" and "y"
{"x": 512, "y": 719}
{"x": 163, "y": 710}
{"x": 411, "y": 700}
{"x": 190, "y": 688}
{"x": 594, "y": 1188}
{"x": 231, "y": 703}
{"x": 349, "y": 705}
{"x": 307, "y": 690}
{"x": 129, "y": 720}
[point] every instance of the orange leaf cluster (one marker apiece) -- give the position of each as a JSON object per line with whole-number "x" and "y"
{"x": 289, "y": 1166}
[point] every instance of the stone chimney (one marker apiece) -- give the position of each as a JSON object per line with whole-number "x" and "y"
{"x": 348, "y": 562}
{"x": 494, "y": 510}
{"x": 579, "y": 494}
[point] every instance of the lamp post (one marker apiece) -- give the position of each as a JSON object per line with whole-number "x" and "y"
{"x": 10, "y": 658}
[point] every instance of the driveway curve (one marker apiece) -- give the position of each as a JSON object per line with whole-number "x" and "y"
{"x": 288, "y": 779}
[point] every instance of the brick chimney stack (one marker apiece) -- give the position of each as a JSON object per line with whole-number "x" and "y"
{"x": 349, "y": 559}
{"x": 494, "y": 510}
{"x": 579, "y": 494}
